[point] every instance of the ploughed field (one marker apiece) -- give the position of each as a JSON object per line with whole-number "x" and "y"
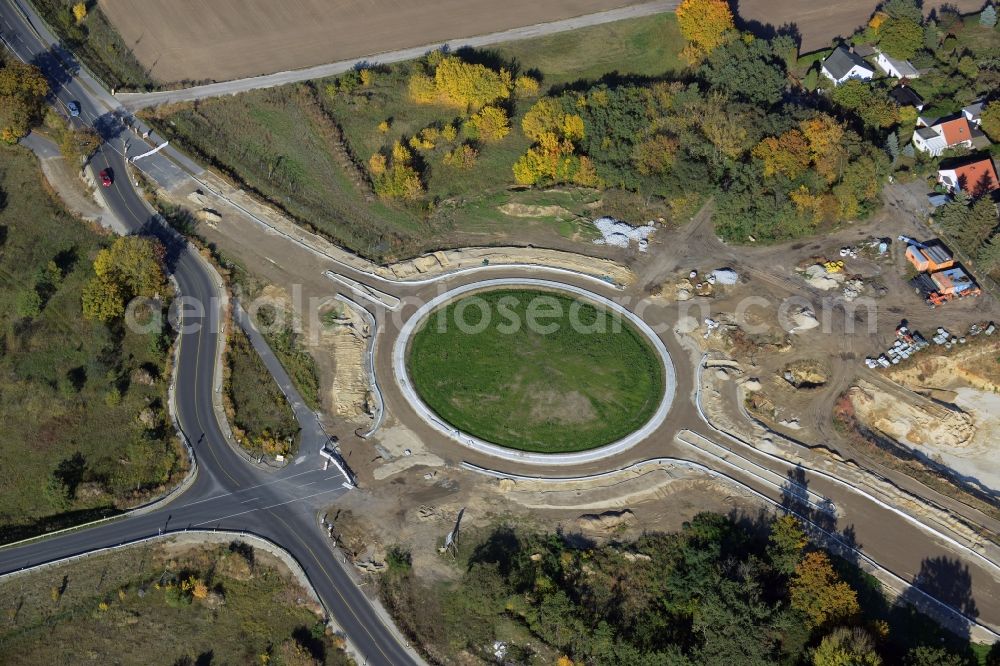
{"x": 535, "y": 371}
{"x": 192, "y": 40}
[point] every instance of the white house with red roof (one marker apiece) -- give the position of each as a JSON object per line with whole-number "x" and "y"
{"x": 976, "y": 177}
{"x": 945, "y": 133}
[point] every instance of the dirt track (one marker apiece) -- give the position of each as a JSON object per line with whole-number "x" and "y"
{"x": 820, "y": 22}
{"x": 194, "y": 40}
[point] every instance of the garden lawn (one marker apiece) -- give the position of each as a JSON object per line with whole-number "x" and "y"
{"x": 579, "y": 380}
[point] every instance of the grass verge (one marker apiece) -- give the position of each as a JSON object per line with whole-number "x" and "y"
{"x": 259, "y": 411}
{"x": 535, "y": 371}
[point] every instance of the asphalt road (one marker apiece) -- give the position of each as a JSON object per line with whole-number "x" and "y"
{"x": 228, "y": 493}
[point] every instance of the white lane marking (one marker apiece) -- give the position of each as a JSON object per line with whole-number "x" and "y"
{"x": 300, "y": 460}
{"x": 264, "y": 508}
{"x": 252, "y": 499}
{"x": 242, "y": 490}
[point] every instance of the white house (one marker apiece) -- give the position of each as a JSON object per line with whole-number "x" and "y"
{"x": 843, "y": 65}
{"x": 898, "y": 69}
{"x": 943, "y": 134}
{"x": 974, "y": 112}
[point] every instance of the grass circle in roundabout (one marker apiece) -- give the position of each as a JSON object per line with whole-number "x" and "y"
{"x": 535, "y": 370}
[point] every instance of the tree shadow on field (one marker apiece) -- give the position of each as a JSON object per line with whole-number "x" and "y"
{"x": 488, "y": 58}
{"x": 500, "y": 547}
{"x": 764, "y": 30}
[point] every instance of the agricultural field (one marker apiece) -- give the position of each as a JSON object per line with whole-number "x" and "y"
{"x": 260, "y": 412}
{"x": 84, "y": 404}
{"x": 583, "y": 379}
{"x": 817, "y": 23}
{"x": 306, "y": 147}
{"x": 188, "y": 40}
{"x": 185, "y": 604}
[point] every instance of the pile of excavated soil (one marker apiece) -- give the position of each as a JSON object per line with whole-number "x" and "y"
{"x": 915, "y": 422}
{"x": 976, "y": 366}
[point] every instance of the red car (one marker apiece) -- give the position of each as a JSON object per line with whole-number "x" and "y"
{"x": 107, "y": 178}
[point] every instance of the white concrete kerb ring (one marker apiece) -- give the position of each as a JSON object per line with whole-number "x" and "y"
{"x": 406, "y": 386}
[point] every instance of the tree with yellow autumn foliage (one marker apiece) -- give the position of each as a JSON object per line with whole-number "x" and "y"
{"x": 395, "y": 178}
{"x": 704, "y": 24}
{"x": 490, "y": 124}
{"x": 818, "y": 592}
{"x": 23, "y": 89}
{"x": 787, "y": 154}
{"x": 469, "y": 86}
{"x": 130, "y": 268}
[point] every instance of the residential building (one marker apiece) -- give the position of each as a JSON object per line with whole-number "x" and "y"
{"x": 843, "y": 65}
{"x": 976, "y": 176}
{"x": 898, "y": 69}
{"x": 906, "y": 96}
{"x": 974, "y": 112}
{"x": 950, "y": 132}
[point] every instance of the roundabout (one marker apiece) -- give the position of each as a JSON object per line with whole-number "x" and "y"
{"x": 534, "y": 371}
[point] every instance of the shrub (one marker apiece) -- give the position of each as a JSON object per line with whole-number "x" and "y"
{"x": 526, "y": 86}
{"x": 462, "y": 157}
{"x": 490, "y": 124}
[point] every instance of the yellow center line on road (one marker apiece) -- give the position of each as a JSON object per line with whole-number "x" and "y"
{"x": 335, "y": 588}
{"x": 197, "y": 414}
{"x": 180, "y": 340}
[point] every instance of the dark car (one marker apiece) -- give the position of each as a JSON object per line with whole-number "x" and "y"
{"x": 74, "y": 108}
{"x": 107, "y": 177}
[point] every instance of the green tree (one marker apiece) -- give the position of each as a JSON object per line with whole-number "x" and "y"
{"x": 28, "y": 304}
{"x": 736, "y": 624}
{"x": 785, "y": 544}
{"x": 892, "y": 146}
{"x": 991, "y": 120}
{"x": 750, "y": 71}
{"x": 988, "y": 256}
{"x": 846, "y": 647}
{"x": 901, "y": 37}
{"x": 871, "y": 103}
{"x": 903, "y": 9}
{"x": 932, "y": 656}
{"x": 969, "y": 226}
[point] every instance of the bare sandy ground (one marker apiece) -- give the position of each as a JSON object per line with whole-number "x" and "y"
{"x": 820, "y": 22}
{"x": 195, "y": 40}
